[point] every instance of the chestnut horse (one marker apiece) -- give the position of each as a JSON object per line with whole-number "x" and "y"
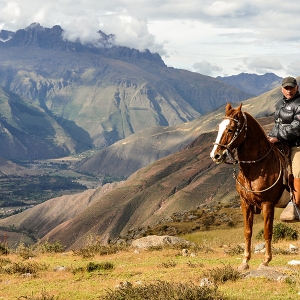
{"x": 260, "y": 181}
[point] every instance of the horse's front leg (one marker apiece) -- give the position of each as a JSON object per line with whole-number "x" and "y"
{"x": 268, "y": 214}
{"x": 248, "y": 211}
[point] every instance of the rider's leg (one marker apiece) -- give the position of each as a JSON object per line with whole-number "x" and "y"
{"x": 291, "y": 213}
{"x": 295, "y": 158}
{"x": 297, "y": 191}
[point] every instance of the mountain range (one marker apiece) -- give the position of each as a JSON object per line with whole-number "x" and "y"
{"x": 73, "y": 97}
{"x": 140, "y": 149}
{"x": 253, "y": 83}
{"x": 156, "y": 126}
{"x": 186, "y": 180}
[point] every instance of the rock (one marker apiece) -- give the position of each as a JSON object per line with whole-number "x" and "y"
{"x": 59, "y": 268}
{"x": 156, "y": 241}
{"x": 277, "y": 274}
{"x": 293, "y": 248}
{"x": 185, "y": 252}
{"x": 206, "y": 282}
{"x": 294, "y": 262}
{"x": 123, "y": 285}
{"x": 260, "y": 248}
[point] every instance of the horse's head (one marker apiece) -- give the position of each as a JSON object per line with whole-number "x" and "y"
{"x": 229, "y": 136}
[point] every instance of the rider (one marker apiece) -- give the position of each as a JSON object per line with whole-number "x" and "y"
{"x": 287, "y": 128}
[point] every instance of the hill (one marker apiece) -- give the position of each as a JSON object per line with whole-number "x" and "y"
{"x": 253, "y": 83}
{"x": 93, "y": 96}
{"x": 183, "y": 181}
{"x": 140, "y": 149}
{"x": 29, "y": 132}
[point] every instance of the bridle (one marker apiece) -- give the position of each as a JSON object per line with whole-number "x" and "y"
{"x": 235, "y": 161}
{"x": 236, "y": 133}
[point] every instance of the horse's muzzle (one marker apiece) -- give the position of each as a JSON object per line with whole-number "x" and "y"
{"x": 219, "y": 157}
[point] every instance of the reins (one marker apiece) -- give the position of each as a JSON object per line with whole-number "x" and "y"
{"x": 252, "y": 191}
{"x": 236, "y": 161}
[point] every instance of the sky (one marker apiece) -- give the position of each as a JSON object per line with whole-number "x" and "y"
{"x": 214, "y": 38}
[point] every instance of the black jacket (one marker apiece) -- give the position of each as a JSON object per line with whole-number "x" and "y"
{"x": 287, "y": 121}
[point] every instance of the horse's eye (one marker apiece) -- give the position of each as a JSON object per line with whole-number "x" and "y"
{"x": 230, "y": 130}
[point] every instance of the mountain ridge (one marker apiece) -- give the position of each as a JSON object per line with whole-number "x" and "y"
{"x": 108, "y": 93}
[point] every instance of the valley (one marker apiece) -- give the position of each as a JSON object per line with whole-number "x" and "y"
{"x": 43, "y": 180}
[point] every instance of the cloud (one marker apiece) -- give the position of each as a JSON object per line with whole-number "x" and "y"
{"x": 211, "y": 36}
{"x": 206, "y": 68}
{"x": 294, "y": 68}
{"x": 260, "y": 65}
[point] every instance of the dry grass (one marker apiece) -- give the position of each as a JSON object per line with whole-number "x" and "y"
{"x": 65, "y": 276}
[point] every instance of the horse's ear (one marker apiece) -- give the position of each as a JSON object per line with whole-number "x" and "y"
{"x": 228, "y": 107}
{"x": 239, "y": 107}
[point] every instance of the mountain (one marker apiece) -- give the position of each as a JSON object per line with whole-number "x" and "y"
{"x": 253, "y": 83}
{"x": 95, "y": 94}
{"x": 142, "y": 148}
{"x": 184, "y": 181}
{"x": 29, "y": 132}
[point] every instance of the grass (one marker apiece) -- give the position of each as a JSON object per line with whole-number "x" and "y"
{"x": 159, "y": 272}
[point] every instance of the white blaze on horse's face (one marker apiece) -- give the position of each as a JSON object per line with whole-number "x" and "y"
{"x": 219, "y": 158}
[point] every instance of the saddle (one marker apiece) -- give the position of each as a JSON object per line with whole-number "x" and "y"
{"x": 283, "y": 152}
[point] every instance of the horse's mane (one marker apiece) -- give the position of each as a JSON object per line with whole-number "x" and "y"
{"x": 257, "y": 123}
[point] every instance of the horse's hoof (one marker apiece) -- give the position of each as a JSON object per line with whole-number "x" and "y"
{"x": 262, "y": 266}
{"x": 243, "y": 267}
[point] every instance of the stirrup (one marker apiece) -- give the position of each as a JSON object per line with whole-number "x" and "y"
{"x": 291, "y": 213}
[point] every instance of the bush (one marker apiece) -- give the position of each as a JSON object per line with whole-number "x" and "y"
{"x": 26, "y": 252}
{"x": 23, "y": 268}
{"x": 164, "y": 290}
{"x": 47, "y": 247}
{"x": 4, "y": 250}
{"x": 99, "y": 266}
{"x": 221, "y": 275}
{"x": 44, "y": 296}
{"x": 280, "y": 232}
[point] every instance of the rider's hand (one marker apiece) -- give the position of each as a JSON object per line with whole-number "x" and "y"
{"x": 273, "y": 139}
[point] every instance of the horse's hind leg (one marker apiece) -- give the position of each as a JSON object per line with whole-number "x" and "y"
{"x": 248, "y": 211}
{"x": 268, "y": 213}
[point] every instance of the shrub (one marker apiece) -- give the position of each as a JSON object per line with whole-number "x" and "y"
{"x": 221, "y": 275}
{"x": 280, "y": 232}
{"x": 4, "y": 250}
{"x": 238, "y": 249}
{"x": 25, "y": 267}
{"x": 4, "y": 262}
{"x": 168, "y": 264}
{"x": 26, "y": 252}
{"x": 47, "y": 247}
{"x": 164, "y": 290}
{"x": 99, "y": 266}
{"x": 44, "y": 296}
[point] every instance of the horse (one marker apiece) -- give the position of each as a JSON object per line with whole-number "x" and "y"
{"x": 260, "y": 180}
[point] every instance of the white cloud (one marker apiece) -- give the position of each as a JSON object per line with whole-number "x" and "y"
{"x": 260, "y": 65}
{"x": 227, "y": 35}
{"x": 206, "y": 68}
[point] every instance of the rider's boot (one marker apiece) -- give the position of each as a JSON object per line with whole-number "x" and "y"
{"x": 291, "y": 213}
{"x": 297, "y": 197}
